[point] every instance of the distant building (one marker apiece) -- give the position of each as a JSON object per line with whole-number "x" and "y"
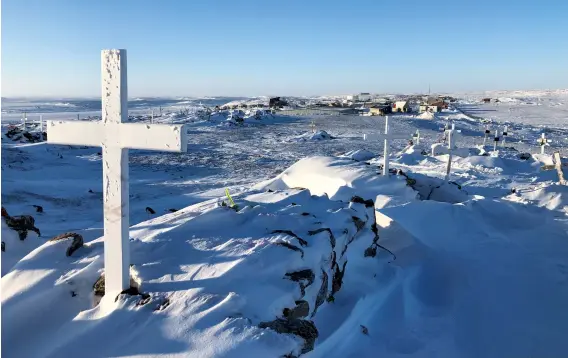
{"x": 379, "y": 110}
{"x": 363, "y": 97}
{"x": 276, "y": 102}
{"x": 400, "y": 106}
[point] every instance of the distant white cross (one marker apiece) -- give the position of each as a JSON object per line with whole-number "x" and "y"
{"x": 487, "y": 132}
{"x": 450, "y": 134}
{"x": 542, "y": 141}
{"x": 505, "y": 134}
{"x": 313, "y": 126}
{"x": 115, "y": 137}
{"x": 387, "y": 137}
{"x": 416, "y": 136}
{"x": 25, "y": 120}
{"x": 495, "y": 139}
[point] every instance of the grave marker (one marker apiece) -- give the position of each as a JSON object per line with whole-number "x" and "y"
{"x": 116, "y": 137}
{"x": 496, "y": 140}
{"x": 542, "y": 141}
{"x": 505, "y": 134}
{"x": 387, "y": 137}
{"x": 487, "y": 132}
{"x": 416, "y": 136}
{"x": 450, "y": 133}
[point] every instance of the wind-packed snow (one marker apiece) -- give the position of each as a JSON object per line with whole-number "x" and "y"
{"x": 474, "y": 267}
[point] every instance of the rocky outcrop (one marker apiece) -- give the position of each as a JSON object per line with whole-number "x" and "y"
{"x": 21, "y": 224}
{"x": 76, "y": 244}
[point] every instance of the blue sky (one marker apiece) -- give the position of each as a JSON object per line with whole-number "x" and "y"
{"x": 233, "y": 48}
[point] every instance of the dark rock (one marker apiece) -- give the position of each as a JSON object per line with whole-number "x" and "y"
{"x": 368, "y": 203}
{"x": 3, "y": 246}
{"x": 304, "y": 278}
{"x": 21, "y": 224}
{"x": 322, "y": 294}
{"x": 162, "y": 305}
{"x": 149, "y": 210}
{"x": 76, "y": 244}
{"x": 337, "y": 280}
{"x": 299, "y": 327}
{"x": 370, "y": 251}
{"x": 525, "y": 156}
{"x": 290, "y": 233}
{"x": 172, "y": 210}
{"x": 359, "y": 224}
{"x": 301, "y": 310}
{"x": 291, "y": 247}
{"x": 331, "y": 237}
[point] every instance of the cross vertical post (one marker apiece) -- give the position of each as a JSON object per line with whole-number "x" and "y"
{"x": 505, "y": 133}
{"x": 386, "y": 150}
{"x": 496, "y": 140}
{"x": 450, "y": 133}
{"x": 25, "y": 119}
{"x": 152, "y": 118}
{"x": 487, "y": 132}
{"x": 115, "y": 172}
{"x": 543, "y": 142}
{"x": 41, "y": 122}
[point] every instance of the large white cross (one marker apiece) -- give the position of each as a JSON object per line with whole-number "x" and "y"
{"x": 115, "y": 137}
{"x": 387, "y": 137}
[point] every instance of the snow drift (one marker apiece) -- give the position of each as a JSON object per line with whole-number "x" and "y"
{"x": 304, "y": 268}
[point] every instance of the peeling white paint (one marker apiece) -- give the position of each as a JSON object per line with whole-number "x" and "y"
{"x": 116, "y": 137}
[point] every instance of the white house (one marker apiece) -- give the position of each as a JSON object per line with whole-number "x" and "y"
{"x": 400, "y": 106}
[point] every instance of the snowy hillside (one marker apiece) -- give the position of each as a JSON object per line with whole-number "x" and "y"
{"x": 321, "y": 256}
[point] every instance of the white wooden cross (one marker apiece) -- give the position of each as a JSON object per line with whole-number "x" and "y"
{"x": 25, "y": 120}
{"x": 450, "y": 134}
{"x": 487, "y": 132}
{"x": 542, "y": 141}
{"x": 416, "y": 136}
{"x": 505, "y": 134}
{"x": 496, "y": 140}
{"x": 116, "y": 137}
{"x": 387, "y": 137}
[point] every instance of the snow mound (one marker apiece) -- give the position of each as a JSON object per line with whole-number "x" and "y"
{"x": 360, "y": 155}
{"x": 214, "y": 280}
{"x": 552, "y": 197}
{"x": 340, "y": 179}
{"x": 317, "y": 136}
{"x": 426, "y": 115}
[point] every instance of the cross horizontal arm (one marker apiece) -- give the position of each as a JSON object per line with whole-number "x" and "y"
{"x": 162, "y": 137}
{"x": 75, "y": 133}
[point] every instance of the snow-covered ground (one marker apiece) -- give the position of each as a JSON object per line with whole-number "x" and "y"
{"x": 476, "y": 268}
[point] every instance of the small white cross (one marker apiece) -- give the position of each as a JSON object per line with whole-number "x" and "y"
{"x": 313, "y": 126}
{"x": 496, "y": 140}
{"x": 505, "y": 134}
{"x": 417, "y": 136}
{"x": 450, "y": 133}
{"x": 487, "y": 132}
{"x": 115, "y": 137}
{"x": 542, "y": 141}
{"x": 387, "y": 137}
